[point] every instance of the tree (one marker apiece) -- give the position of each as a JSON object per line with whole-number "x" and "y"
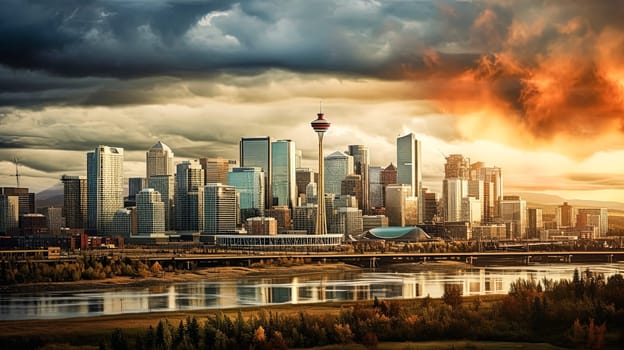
{"x": 452, "y": 295}
{"x": 119, "y": 341}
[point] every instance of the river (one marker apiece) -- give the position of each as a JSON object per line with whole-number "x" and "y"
{"x": 410, "y": 281}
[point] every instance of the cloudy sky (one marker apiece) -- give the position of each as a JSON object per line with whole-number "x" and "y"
{"x": 535, "y": 87}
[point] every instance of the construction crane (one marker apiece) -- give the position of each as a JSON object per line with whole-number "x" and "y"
{"x": 17, "y": 174}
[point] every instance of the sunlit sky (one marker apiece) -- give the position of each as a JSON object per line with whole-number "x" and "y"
{"x": 534, "y": 87}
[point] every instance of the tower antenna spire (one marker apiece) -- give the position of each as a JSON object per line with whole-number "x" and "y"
{"x": 321, "y": 107}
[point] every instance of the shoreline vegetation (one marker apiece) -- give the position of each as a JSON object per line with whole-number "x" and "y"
{"x": 159, "y": 277}
{"x": 586, "y": 311}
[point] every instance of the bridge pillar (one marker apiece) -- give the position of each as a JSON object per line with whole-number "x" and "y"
{"x": 570, "y": 259}
{"x": 610, "y": 257}
{"x": 528, "y": 259}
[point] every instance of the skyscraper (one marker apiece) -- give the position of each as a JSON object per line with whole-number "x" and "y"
{"x": 492, "y": 189}
{"x": 298, "y": 158}
{"x": 256, "y": 152}
{"x": 352, "y": 185}
{"x": 9, "y": 213}
{"x": 104, "y": 187}
{"x": 303, "y": 176}
{"x": 375, "y": 187}
{"x": 388, "y": 177}
{"x": 598, "y": 217}
{"x": 337, "y": 166}
{"x": 535, "y": 223}
{"x": 159, "y": 160}
{"x": 453, "y": 191}
{"x": 409, "y": 166}
{"x": 283, "y": 172}
{"x": 430, "y": 201}
{"x": 189, "y": 188}
{"x": 249, "y": 184}
{"x": 361, "y": 164}
{"x": 220, "y": 209}
{"x": 566, "y": 215}
{"x": 397, "y": 196}
{"x": 165, "y": 185}
{"x": 26, "y": 199}
{"x": 74, "y": 201}
{"x": 514, "y": 215}
{"x": 150, "y": 212}
{"x": 135, "y": 185}
{"x": 215, "y": 169}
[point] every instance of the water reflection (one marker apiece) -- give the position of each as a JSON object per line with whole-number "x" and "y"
{"x": 266, "y": 291}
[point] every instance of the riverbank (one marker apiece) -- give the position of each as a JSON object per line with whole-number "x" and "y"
{"x": 87, "y": 332}
{"x": 205, "y": 274}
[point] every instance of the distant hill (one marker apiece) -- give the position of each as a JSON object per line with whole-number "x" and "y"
{"x": 548, "y": 200}
{"x": 50, "y": 197}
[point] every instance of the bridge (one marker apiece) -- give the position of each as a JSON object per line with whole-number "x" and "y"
{"x": 367, "y": 259}
{"x": 380, "y": 259}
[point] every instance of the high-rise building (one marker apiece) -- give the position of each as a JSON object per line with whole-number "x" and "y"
{"x": 430, "y": 203}
{"x": 159, "y": 160}
{"x": 150, "y": 212}
{"x": 33, "y": 224}
{"x": 261, "y": 226}
{"x": 471, "y": 210}
{"x": 55, "y": 219}
{"x": 454, "y": 190}
{"x": 104, "y": 187}
{"x": 74, "y": 201}
{"x": 283, "y": 217}
{"x": 9, "y": 213}
{"x": 298, "y": 158}
{"x": 476, "y": 189}
{"x": 189, "y": 188}
{"x": 375, "y": 187}
{"x": 457, "y": 166}
{"x": 250, "y": 186}
{"x": 256, "y": 152}
{"x": 124, "y": 222}
{"x": 165, "y": 185}
{"x": 135, "y": 185}
{"x": 361, "y": 165}
{"x": 514, "y": 215}
{"x": 492, "y": 189}
{"x": 352, "y": 186}
{"x": 283, "y": 172}
{"x": 304, "y": 218}
{"x": 409, "y": 166}
{"x": 337, "y": 166}
{"x": 597, "y": 217}
{"x": 26, "y": 199}
{"x": 372, "y": 221}
{"x": 349, "y": 221}
{"x": 535, "y": 224}
{"x": 303, "y": 176}
{"x": 396, "y": 203}
{"x": 388, "y": 177}
{"x": 215, "y": 169}
{"x": 565, "y": 215}
{"x": 220, "y": 209}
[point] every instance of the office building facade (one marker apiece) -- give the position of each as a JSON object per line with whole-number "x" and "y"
{"x": 150, "y": 212}
{"x": 159, "y": 160}
{"x": 256, "y": 152}
{"x": 74, "y": 201}
{"x": 409, "y": 166}
{"x": 104, "y": 187}
{"x": 284, "y": 174}
{"x": 220, "y": 209}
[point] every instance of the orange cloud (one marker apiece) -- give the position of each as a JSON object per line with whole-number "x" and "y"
{"x": 557, "y": 84}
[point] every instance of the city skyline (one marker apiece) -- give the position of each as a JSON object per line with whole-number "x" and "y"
{"x": 536, "y": 91}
